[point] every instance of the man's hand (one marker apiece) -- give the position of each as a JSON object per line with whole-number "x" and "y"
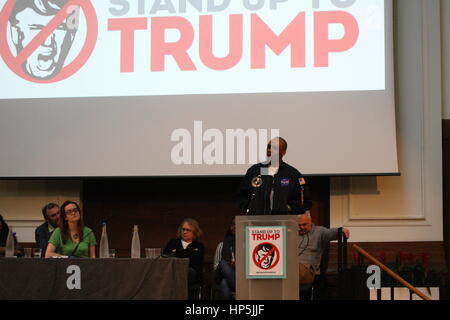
{"x": 346, "y": 232}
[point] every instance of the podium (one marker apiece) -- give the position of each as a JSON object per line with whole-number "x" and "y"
{"x": 267, "y": 257}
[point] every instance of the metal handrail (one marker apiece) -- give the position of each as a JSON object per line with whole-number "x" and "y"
{"x": 391, "y": 273}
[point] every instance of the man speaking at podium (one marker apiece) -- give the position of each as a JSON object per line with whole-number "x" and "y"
{"x": 273, "y": 186}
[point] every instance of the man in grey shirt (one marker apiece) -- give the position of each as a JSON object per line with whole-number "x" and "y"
{"x": 312, "y": 240}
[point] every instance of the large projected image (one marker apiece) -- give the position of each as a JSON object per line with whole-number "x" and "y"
{"x": 178, "y": 47}
{"x": 126, "y": 88}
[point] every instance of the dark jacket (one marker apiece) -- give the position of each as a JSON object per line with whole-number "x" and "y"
{"x": 194, "y": 251}
{"x": 42, "y": 235}
{"x": 229, "y": 247}
{"x": 290, "y": 194}
{"x": 4, "y": 233}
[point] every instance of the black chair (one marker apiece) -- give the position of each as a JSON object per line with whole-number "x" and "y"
{"x": 351, "y": 281}
{"x": 195, "y": 287}
{"x": 317, "y": 289}
{"x": 195, "y": 290}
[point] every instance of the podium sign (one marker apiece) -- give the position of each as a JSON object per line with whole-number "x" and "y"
{"x": 267, "y": 257}
{"x": 266, "y": 252}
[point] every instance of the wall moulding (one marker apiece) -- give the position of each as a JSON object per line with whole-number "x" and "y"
{"x": 410, "y": 203}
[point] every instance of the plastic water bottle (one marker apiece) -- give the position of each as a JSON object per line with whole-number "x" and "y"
{"x": 135, "y": 244}
{"x": 104, "y": 245}
{"x": 9, "y": 250}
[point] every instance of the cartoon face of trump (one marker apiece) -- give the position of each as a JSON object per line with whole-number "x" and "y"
{"x": 265, "y": 255}
{"x": 27, "y": 20}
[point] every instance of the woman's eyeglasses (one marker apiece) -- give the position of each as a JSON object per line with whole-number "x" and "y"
{"x": 71, "y": 212}
{"x": 186, "y": 229}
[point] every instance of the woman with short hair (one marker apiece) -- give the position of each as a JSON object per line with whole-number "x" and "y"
{"x": 186, "y": 245}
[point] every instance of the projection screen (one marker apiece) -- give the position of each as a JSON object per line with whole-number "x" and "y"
{"x": 195, "y": 87}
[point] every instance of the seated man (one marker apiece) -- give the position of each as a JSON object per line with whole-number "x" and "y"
{"x": 312, "y": 240}
{"x": 44, "y": 231}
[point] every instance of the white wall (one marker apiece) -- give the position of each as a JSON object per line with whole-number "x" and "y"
{"x": 445, "y": 20}
{"x": 21, "y": 202}
{"x": 409, "y": 207}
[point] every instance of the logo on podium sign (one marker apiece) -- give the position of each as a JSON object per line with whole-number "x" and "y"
{"x": 265, "y": 252}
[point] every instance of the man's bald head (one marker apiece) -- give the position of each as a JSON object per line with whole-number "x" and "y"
{"x": 277, "y": 146}
{"x": 304, "y": 223}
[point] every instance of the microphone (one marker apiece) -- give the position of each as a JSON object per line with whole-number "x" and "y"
{"x": 256, "y": 183}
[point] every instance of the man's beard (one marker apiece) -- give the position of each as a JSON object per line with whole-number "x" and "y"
{"x": 54, "y": 225}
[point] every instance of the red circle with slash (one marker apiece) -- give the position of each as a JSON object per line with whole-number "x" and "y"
{"x": 274, "y": 248}
{"x": 15, "y": 62}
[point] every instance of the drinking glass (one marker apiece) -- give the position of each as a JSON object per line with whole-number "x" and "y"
{"x": 37, "y": 252}
{"x": 27, "y": 252}
{"x": 152, "y": 253}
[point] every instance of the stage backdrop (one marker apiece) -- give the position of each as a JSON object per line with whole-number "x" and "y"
{"x": 176, "y": 88}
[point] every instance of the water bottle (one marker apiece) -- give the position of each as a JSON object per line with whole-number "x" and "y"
{"x": 135, "y": 244}
{"x": 104, "y": 246}
{"x": 9, "y": 250}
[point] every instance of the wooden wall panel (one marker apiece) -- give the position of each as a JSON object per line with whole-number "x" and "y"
{"x": 158, "y": 205}
{"x": 446, "y": 185}
{"x": 391, "y": 249}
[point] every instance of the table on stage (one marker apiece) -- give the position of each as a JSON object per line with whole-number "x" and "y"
{"x": 29, "y": 278}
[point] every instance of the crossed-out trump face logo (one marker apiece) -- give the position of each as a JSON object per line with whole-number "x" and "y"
{"x": 266, "y": 256}
{"x": 38, "y": 36}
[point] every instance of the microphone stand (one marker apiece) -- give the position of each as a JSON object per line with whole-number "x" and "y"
{"x": 71, "y": 256}
{"x": 251, "y": 201}
{"x": 253, "y": 195}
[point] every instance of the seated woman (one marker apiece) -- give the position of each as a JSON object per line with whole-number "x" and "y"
{"x": 186, "y": 245}
{"x": 72, "y": 238}
{"x": 226, "y": 273}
